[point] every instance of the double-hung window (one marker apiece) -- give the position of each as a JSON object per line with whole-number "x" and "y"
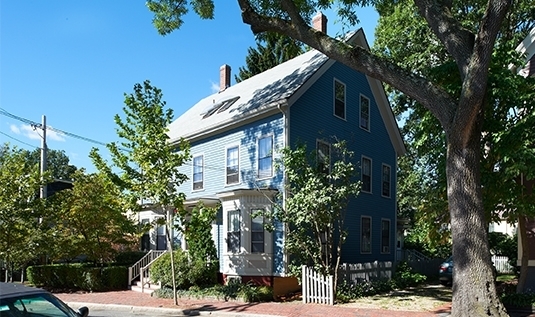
{"x": 386, "y": 181}
{"x": 364, "y": 112}
{"x": 385, "y": 236}
{"x": 365, "y": 235}
{"x": 233, "y": 165}
{"x": 257, "y": 231}
{"x": 366, "y": 174}
{"x": 339, "y": 99}
{"x": 234, "y": 231}
{"x": 198, "y": 176}
{"x": 265, "y": 157}
{"x": 323, "y": 159}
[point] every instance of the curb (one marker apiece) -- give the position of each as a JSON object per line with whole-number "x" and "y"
{"x": 141, "y": 309}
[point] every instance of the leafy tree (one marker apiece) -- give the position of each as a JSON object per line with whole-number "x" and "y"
{"x": 57, "y": 163}
{"x": 277, "y": 50}
{"x": 20, "y": 208}
{"x": 149, "y": 164}
{"x": 507, "y": 154}
{"x": 90, "y": 220}
{"x": 461, "y": 113}
{"x": 201, "y": 246}
{"x": 314, "y": 212}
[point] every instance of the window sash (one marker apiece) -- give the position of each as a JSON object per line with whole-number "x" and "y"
{"x": 365, "y": 228}
{"x": 233, "y": 165}
{"x": 257, "y": 232}
{"x": 265, "y": 157}
{"x": 198, "y": 172}
{"x": 366, "y": 175}
{"x": 385, "y": 236}
{"x": 364, "y": 113}
{"x": 234, "y": 231}
{"x": 339, "y": 99}
{"x": 386, "y": 181}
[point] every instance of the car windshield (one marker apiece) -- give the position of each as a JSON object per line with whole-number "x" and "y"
{"x": 35, "y": 305}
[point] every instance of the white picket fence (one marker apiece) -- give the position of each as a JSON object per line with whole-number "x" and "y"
{"x": 320, "y": 289}
{"x": 317, "y": 288}
{"x": 501, "y": 264}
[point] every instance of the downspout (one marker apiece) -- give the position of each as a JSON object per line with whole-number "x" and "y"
{"x": 286, "y": 133}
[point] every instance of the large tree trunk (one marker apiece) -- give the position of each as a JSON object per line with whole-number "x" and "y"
{"x": 474, "y": 291}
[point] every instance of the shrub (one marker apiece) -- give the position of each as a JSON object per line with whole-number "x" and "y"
{"x": 187, "y": 272}
{"x": 246, "y": 292}
{"x": 78, "y": 276}
{"x": 129, "y": 258}
{"x": 404, "y": 276}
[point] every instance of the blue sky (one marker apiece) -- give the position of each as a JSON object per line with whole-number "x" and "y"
{"x": 74, "y": 60}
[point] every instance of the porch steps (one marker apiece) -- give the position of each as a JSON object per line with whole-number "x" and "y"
{"x": 148, "y": 288}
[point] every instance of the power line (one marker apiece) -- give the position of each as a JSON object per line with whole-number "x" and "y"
{"x": 35, "y": 124}
{"x": 28, "y": 144}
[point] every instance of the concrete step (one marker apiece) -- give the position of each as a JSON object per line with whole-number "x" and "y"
{"x": 148, "y": 288}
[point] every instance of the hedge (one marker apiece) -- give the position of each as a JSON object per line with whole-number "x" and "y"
{"x": 78, "y": 277}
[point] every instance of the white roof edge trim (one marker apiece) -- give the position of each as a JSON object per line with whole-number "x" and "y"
{"x": 528, "y": 45}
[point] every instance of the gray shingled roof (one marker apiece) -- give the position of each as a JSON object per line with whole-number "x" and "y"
{"x": 255, "y": 94}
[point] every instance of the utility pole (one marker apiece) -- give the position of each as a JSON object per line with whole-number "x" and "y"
{"x": 42, "y": 193}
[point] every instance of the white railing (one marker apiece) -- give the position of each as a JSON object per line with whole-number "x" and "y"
{"x": 317, "y": 288}
{"x": 135, "y": 270}
{"x": 501, "y": 263}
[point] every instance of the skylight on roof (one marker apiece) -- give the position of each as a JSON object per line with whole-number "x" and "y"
{"x": 220, "y": 107}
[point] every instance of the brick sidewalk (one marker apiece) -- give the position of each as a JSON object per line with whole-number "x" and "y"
{"x": 289, "y": 309}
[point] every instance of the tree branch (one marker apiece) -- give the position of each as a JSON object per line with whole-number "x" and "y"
{"x": 457, "y": 40}
{"x": 358, "y": 58}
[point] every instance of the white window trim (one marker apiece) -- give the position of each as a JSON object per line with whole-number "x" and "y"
{"x": 330, "y": 149}
{"x": 389, "y": 180}
{"x": 389, "y": 236}
{"x": 371, "y": 173}
{"x": 239, "y": 163}
{"x": 371, "y": 235}
{"x": 258, "y": 156}
{"x": 334, "y": 99}
{"x": 369, "y": 112}
{"x": 193, "y": 172}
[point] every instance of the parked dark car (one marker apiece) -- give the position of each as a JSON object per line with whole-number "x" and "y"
{"x": 19, "y": 300}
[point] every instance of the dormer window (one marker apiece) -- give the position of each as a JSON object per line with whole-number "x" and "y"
{"x": 219, "y": 107}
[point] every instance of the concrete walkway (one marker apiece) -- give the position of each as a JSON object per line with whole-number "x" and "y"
{"x": 188, "y": 307}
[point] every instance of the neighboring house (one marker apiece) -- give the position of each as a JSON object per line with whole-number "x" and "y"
{"x": 235, "y": 136}
{"x": 527, "y": 47}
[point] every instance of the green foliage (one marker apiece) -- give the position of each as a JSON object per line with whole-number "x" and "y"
{"x": 201, "y": 246}
{"x": 233, "y": 291}
{"x": 316, "y": 204}
{"x": 502, "y": 244}
{"x": 277, "y": 50}
{"x": 188, "y": 272}
{"x": 57, "y": 163}
{"x": 129, "y": 258}
{"x": 23, "y": 236}
{"x": 78, "y": 277}
{"x": 519, "y": 300}
{"x": 404, "y": 276}
{"x": 90, "y": 219}
{"x": 147, "y": 160}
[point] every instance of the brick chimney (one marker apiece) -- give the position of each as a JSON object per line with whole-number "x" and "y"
{"x": 319, "y": 22}
{"x": 224, "y": 77}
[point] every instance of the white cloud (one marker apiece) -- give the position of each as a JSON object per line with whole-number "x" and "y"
{"x": 14, "y": 129}
{"x": 214, "y": 87}
{"x": 36, "y": 133}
